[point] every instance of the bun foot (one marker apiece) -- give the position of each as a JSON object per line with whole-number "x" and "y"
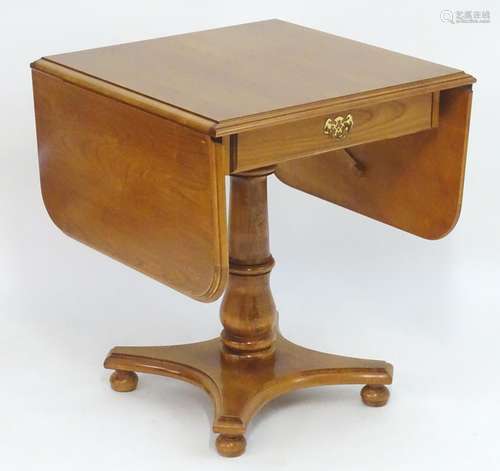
{"x": 123, "y": 381}
{"x": 375, "y": 395}
{"x": 230, "y": 446}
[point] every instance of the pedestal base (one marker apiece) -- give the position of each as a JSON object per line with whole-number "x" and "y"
{"x": 240, "y": 386}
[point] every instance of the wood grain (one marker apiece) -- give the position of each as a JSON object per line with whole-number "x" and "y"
{"x": 135, "y": 140}
{"x": 240, "y": 387}
{"x": 248, "y": 312}
{"x": 412, "y": 182}
{"x": 304, "y": 138}
{"x": 139, "y": 188}
{"x": 251, "y": 363}
{"x": 256, "y": 74}
{"x": 129, "y": 97}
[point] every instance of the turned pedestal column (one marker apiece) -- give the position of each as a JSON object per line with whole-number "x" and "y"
{"x": 248, "y": 312}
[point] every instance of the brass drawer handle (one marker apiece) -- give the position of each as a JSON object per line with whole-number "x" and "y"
{"x": 338, "y": 127}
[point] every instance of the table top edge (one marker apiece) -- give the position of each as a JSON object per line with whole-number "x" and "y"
{"x": 219, "y": 128}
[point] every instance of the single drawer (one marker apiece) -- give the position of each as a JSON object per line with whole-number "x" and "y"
{"x": 262, "y": 147}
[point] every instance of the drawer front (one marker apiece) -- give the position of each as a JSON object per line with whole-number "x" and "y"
{"x": 307, "y": 137}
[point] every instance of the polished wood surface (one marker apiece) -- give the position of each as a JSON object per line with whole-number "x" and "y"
{"x": 123, "y": 95}
{"x": 139, "y": 188}
{"x": 240, "y": 386}
{"x": 248, "y": 313}
{"x": 413, "y": 182}
{"x": 250, "y": 75}
{"x": 251, "y": 363}
{"x": 123, "y": 381}
{"x": 375, "y": 395}
{"x": 134, "y": 145}
{"x": 304, "y": 138}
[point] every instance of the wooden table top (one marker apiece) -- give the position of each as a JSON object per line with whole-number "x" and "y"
{"x": 255, "y": 71}
{"x": 129, "y": 166}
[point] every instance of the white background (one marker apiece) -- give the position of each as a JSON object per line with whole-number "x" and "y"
{"x": 343, "y": 283}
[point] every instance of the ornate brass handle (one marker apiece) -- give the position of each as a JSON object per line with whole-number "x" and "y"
{"x": 338, "y": 127}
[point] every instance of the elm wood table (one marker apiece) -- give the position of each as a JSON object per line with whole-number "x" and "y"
{"x": 135, "y": 141}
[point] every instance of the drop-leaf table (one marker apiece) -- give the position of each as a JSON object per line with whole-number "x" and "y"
{"x": 135, "y": 141}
